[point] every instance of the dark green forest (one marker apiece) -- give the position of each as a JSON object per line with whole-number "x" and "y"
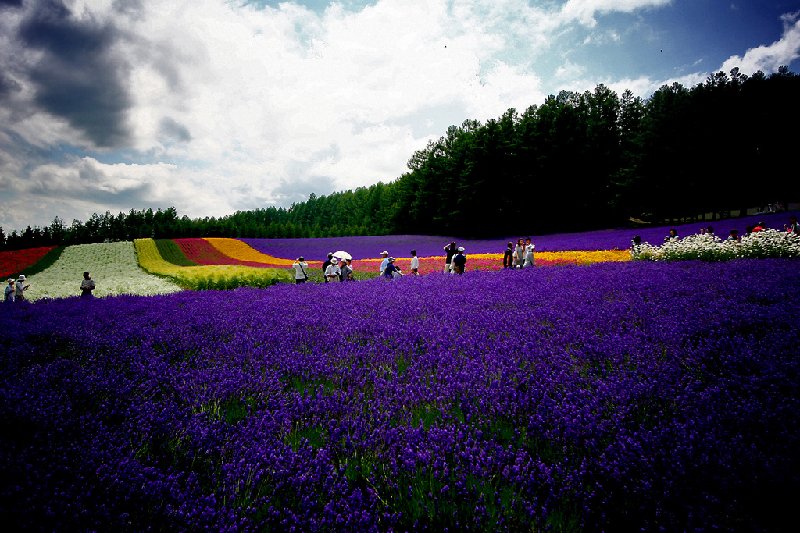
{"x": 577, "y": 161}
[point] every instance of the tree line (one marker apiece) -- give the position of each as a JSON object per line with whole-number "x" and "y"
{"x": 578, "y": 161}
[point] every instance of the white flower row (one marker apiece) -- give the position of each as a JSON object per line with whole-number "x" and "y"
{"x": 762, "y": 244}
{"x": 113, "y": 266}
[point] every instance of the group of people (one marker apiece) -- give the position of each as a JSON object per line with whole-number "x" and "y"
{"x": 15, "y": 290}
{"x": 733, "y": 235}
{"x": 455, "y": 261}
{"x": 519, "y": 256}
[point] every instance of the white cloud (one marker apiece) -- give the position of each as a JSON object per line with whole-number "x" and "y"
{"x": 585, "y": 11}
{"x": 769, "y": 58}
{"x": 236, "y": 107}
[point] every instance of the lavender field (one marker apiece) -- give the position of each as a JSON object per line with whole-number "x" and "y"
{"x": 613, "y": 397}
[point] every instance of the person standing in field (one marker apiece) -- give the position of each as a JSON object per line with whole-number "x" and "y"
{"x": 414, "y": 263}
{"x": 519, "y": 254}
{"x": 10, "y": 291}
{"x": 385, "y": 262}
{"x": 449, "y": 251}
{"x": 20, "y": 288}
{"x": 300, "y": 267}
{"x": 87, "y": 286}
{"x": 529, "y": 247}
{"x": 508, "y": 256}
{"x": 459, "y": 261}
{"x": 346, "y": 270}
{"x": 325, "y": 266}
{"x": 333, "y": 271}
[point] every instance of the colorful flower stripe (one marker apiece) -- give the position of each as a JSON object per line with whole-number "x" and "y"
{"x": 220, "y": 276}
{"x": 494, "y": 262}
{"x": 16, "y": 261}
{"x": 241, "y": 251}
{"x": 113, "y": 266}
{"x": 203, "y": 252}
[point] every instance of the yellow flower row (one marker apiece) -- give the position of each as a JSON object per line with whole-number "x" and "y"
{"x": 575, "y": 257}
{"x": 207, "y": 276}
{"x": 244, "y": 252}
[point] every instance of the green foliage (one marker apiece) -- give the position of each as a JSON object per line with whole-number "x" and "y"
{"x": 172, "y": 253}
{"x": 45, "y": 262}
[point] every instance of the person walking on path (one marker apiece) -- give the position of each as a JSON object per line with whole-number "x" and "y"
{"x": 300, "y": 267}
{"x": 87, "y": 286}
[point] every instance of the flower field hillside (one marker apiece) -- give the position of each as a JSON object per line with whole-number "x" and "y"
{"x": 112, "y": 265}
{"x": 229, "y": 274}
{"x": 14, "y": 263}
{"x": 618, "y": 396}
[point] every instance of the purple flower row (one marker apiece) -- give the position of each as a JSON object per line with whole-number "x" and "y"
{"x": 610, "y": 397}
{"x": 426, "y": 246}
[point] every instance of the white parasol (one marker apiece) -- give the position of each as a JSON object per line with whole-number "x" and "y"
{"x": 341, "y": 254}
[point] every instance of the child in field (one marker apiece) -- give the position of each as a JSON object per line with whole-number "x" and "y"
{"x": 414, "y": 263}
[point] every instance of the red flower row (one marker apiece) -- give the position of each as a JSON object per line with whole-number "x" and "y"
{"x": 16, "y": 261}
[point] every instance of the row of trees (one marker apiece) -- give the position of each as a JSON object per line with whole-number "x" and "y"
{"x": 578, "y": 161}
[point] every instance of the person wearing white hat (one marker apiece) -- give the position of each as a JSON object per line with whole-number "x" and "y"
{"x": 10, "y": 290}
{"x": 459, "y": 261}
{"x": 385, "y": 261}
{"x": 333, "y": 271}
{"x": 19, "y": 295}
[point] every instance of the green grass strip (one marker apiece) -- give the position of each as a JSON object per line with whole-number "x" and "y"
{"x": 45, "y": 262}
{"x": 172, "y": 253}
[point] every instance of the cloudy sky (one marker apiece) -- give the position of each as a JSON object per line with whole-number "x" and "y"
{"x": 214, "y": 106}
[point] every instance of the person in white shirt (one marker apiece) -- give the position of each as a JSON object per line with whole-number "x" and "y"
{"x": 333, "y": 271}
{"x": 300, "y": 267}
{"x": 414, "y": 263}
{"x": 529, "y": 247}
{"x": 385, "y": 261}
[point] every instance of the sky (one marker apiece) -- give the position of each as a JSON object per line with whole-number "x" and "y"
{"x": 218, "y": 106}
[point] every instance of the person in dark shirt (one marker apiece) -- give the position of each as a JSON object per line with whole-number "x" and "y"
{"x": 508, "y": 256}
{"x": 325, "y": 266}
{"x": 450, "y": 250}
{"x": 459, "y": 261}
{"x": 391, "y": 271}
